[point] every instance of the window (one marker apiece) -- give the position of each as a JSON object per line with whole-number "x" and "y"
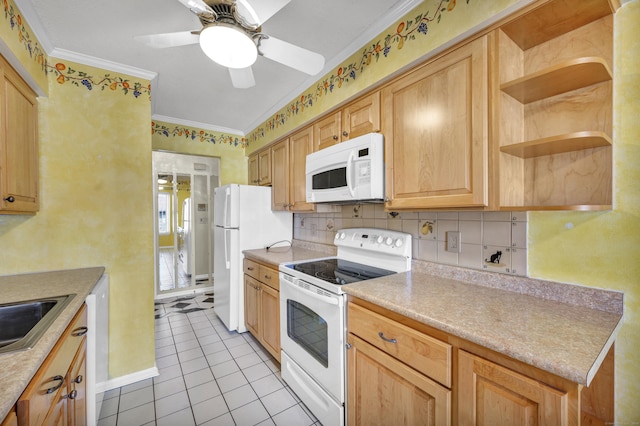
{"x": 164, "y": 213}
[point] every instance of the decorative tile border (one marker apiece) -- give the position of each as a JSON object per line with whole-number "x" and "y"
{"x": 66, "y": 74}
{"x": 407, "y": 31}
{"x": 31, "y": 45}
{"x": 191, "y": 134}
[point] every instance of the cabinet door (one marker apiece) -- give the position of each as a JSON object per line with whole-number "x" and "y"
{"x": 436, "y": 138}
{"x": 18, "y": 144}
{"x": 77, "y": 404}
{"x": 252, "y": 305}
{"x": 326, "y": 131}
{"x": 253, "y": 169}
{"x": 300, "y": 144}
{"x": 280, "y": 176}
{"x": 270, "y": 318}
{"x": 361, "y": 117}
{"x": 264, "y": 167}
{"x": 489, "y": 394}
{"x": 384, "y": 391}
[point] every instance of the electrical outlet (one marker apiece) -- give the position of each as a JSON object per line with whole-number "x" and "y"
{"x": 453, "y": 241}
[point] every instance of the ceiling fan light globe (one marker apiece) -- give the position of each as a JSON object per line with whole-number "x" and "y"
{"x": 228, "y": 46}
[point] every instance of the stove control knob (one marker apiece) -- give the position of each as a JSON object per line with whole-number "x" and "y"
{"x": 389, "y": 241}
{"x": 343, "y": 235}
{"x": 380, "y": 239}
{"x": 399, "y": 242}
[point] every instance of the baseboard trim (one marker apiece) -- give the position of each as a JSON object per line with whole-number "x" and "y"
{"x": 118, "y": 382}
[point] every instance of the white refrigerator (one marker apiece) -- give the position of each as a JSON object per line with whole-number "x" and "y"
{"x": 243, "y": 220}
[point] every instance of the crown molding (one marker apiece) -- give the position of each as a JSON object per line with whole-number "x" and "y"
{"x": 356, "y": 44}
{"x": 92, "y": 61}
{"x": 198, "y": 125}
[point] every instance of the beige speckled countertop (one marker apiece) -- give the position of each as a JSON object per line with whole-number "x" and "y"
{"x": 564, "y": 329}
{"x": 17, "y": 368}
{"x": 564, "y": 339}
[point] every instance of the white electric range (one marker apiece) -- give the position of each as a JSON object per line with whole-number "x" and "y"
{"x": 313, "y": 310}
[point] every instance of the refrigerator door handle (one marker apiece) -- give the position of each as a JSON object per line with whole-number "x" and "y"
{"x": 227, "y": 207}
{"x": 227, "y": 249}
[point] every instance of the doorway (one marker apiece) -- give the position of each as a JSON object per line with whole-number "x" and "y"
{"x": 183, "y": 238}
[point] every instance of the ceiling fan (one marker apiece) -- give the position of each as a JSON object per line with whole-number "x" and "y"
{"x": 232, "y": 37}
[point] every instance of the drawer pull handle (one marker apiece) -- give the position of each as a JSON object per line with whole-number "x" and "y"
{"x": 78, "y": 379}
{"x": 387, "y": 339}
{"x": 73, "y": 394}
{"x": 80, "y": 331}
{"x": 58, "y": 386}
{"x": 267, "y": 277}
{"x": 250, "y": 268}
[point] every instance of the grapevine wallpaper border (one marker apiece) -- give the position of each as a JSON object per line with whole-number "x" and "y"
{"x": 191, "y": 134}
{"x": 406, "y": 31}
{"x": 16, "y": 23}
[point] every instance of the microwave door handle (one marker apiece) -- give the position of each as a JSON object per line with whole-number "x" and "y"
{"x": 350, "y": 173}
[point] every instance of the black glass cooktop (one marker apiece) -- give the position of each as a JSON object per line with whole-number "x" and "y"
{"x": 340, "y": 272}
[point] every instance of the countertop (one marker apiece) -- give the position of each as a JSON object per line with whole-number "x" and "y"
{"x": 564, "y": 329}
{"x": 17, "y": 368}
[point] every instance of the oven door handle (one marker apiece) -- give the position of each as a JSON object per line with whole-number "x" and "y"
{"x": 325, "y": 299}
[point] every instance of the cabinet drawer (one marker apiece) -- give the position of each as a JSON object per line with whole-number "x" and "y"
{"x": 35, "y": 402}
{"x": 421, "y": 352}
{"x": 269, "y": 277}
{"x": 251, "y": 268}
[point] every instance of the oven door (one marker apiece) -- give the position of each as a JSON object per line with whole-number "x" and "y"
{"x": 312, "y": 329}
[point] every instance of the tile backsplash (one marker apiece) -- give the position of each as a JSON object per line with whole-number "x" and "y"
{"x": 489, "y": 241}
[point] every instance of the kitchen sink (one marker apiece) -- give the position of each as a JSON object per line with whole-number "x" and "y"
{"x": 23, "y": 323}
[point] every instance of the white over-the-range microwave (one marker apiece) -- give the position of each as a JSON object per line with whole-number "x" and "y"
{"x": 351, "y": 171}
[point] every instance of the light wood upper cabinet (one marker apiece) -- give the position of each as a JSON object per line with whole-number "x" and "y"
{"x": 289, "y": 158}
{"x": 554, "y": 107}
{"x": 18, "y": 144}
{"x": 260, "y": 168}
{"x": 355, "y": 119}
{"x": 436, "y": 132}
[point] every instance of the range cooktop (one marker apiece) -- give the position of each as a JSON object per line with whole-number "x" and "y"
{"x": 338, "y": 271}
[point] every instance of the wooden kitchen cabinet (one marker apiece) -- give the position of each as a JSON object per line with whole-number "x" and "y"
{"x": 18, "y": 144}
{"x": 262, "y": 305}
{"x": 490, "y": 394}
{"x": 260, "y": 168}
{"x": 554, "y": 107}
{"x": 289, "y": 158}
{"x": 395, "y": 374}
{"x": 55, "y": 395}
{"x": 355, "y": 119}
{"x": 436, "y": 132}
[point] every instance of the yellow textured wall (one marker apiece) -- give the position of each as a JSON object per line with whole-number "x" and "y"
{"x": 603, "y": 249}
{"x": 96, "y": 203}
{"x": 188, "y": 140}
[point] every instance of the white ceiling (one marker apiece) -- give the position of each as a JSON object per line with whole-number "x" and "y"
{"x": 189, "y": 88}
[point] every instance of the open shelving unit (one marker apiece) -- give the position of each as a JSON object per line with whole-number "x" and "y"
{"x": 554, "y": 107}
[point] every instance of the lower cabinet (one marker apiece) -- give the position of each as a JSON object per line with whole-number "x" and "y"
{"x": 391, "y": 370}
{"x": 490, "y": 394}
{"x": 403, "y": 372}
{"x": 262, "y": 305}
{"x": 56, "y": 394}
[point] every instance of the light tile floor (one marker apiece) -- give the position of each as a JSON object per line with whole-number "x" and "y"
{"x": 208, "y": 376}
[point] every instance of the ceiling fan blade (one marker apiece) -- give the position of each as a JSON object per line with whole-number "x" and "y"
{"x": 255, "y": 12}
{"x": 161, "y": 41}
{"x": 291, "y": 55}
{"x": 242, "y": 78}
{"x": 197, "y": 6}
